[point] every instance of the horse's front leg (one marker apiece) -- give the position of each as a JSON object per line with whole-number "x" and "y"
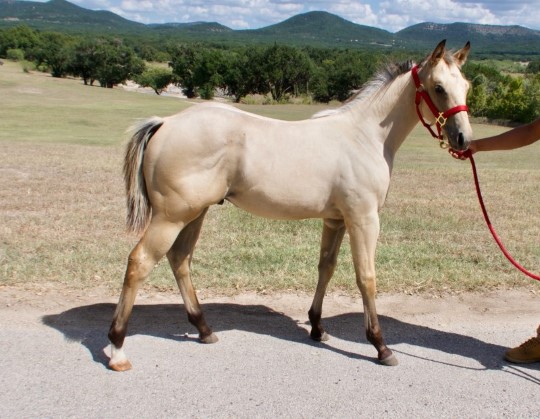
{"x": 180, "y": 257}
{"x": 364, "y": 233}
{"x": 332, "y": 236}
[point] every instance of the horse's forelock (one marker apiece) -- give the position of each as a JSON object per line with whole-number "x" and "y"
{"x": 448, "y": 58}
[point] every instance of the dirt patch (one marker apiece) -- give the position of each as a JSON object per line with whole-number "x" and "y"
{"x": 511, "y": 307}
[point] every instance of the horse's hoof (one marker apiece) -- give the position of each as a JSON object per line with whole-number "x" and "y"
{"x": 211, "y": 338}
{"x": 320, "y": 337}
{"x": 120, "y": 366}
{"x": 389, "y": 360}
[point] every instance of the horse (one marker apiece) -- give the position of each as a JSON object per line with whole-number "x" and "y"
{"x": 335, "y": 166}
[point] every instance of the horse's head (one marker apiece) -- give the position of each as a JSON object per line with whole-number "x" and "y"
{"x": 440, "y": 77}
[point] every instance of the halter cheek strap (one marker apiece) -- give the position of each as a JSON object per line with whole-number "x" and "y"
{"x": 440, "y": 117}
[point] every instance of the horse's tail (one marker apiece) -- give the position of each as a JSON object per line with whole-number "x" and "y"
{"x": 139, "y": 208}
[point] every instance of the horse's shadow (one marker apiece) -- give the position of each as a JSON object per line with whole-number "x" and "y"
{"x": 89, "y": 325}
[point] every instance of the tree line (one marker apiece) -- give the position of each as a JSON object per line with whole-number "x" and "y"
{"x": 278, "y": 72}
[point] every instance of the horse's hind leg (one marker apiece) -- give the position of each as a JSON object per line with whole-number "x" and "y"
{"x": 332, "y": 236}
{"x": 156, "y": 241}
{"x": 180, "y": 257}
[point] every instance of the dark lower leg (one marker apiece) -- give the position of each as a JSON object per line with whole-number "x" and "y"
{"x": 317, "y": 331}
{"x": 119, "y": 325}
{"x": 374, "y": 336}
{"x": 180, "y": 257}
{"x": 330, "y": 243}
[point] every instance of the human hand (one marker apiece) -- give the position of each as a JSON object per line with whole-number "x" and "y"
{"x": 460, "y": 155}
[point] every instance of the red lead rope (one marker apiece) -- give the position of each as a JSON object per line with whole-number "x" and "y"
{"x": 468, "y": 154}
{"x": 440, "y": 121}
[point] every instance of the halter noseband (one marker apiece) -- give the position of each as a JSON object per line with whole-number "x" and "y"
{"x": 440, "y": 117}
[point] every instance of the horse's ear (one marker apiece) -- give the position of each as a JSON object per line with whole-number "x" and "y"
{"x": 462, "y": 54}
{"x": 438, "y": 52}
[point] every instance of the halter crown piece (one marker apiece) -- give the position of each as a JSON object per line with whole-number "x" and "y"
{"x": 440, "y": 117}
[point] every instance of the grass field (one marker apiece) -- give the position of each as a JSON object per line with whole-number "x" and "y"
{"x": 62, "y": 205}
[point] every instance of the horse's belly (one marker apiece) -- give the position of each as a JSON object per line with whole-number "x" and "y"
{"x": 283, "y": 206}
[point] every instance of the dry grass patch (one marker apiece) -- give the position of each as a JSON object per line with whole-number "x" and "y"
{"x": 62, "y": 206}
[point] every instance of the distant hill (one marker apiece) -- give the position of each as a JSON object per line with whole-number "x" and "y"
{"x": 491, "y": 38}
{"x": 196, "y": 27}
{"x": 326, "y": 28}
{"x": 318, "y": 29}
{"x": 61, "y": 15}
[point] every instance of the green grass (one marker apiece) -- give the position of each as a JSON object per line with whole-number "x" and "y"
{"x": 39, "y": 108}
{"x": 62, "y": 205}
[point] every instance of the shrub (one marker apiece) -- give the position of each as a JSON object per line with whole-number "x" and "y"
{"x": 15, "y": 54}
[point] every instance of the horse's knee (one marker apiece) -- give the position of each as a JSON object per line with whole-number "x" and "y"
{"x": 366, "y": 283}
{"x": 326, "y": 268}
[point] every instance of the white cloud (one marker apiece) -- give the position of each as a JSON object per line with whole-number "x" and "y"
{"x": 397, "y": 14}
{"x": 392, "y": 15}
{"x": 356, "y": 12}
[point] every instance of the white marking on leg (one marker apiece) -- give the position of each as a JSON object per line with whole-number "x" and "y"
{"x": 118, "y": 356}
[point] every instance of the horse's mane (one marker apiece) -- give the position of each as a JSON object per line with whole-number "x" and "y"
{"x": 382, "y": 78}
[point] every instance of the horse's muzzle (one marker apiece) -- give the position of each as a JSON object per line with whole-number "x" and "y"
{"x": 458, "y": 140}
{"x": 461, "y": 141}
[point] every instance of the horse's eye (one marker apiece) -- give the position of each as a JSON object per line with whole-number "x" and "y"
{"x": 439, "y": 89}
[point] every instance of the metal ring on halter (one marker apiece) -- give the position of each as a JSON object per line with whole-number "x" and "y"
{"x": 443, "y": 144}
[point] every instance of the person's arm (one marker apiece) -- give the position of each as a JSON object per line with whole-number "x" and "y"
{"x": 509, "y": 140}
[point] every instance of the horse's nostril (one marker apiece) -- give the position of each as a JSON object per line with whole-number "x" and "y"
{"x": 461, "y": 140}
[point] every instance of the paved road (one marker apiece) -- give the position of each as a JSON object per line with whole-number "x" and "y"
{"x": 53, "y": 363}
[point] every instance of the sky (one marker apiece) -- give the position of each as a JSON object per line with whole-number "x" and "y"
{"x": 391, "y": 15}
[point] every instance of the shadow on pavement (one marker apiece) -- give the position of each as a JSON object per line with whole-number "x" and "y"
{"x": 89, "y": 325}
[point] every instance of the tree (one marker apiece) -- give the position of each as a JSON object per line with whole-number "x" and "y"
{"x": 116, "y": 63}
{"x": 497, "y": 96}
{"x": 184, "y": 61}
{"x": 479, "y": 95}
{"x": 533, "y": 67}
{"x": 19, "y": 37}
{"x": 15, "y": 54}
{"x": 244, "y": 74}
{"x": 209, "y": 72}
{"x": 85, "y": 61}
{"x": 156, "y": 78}
{"x": 286, "y": 70}
{"x": 107, "y": 60}
{"x": 200, "y": 71}
{"x": 339, "y": 73}
{"x": 55, "y": 50}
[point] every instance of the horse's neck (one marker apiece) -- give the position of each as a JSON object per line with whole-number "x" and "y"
{"x": 394, "y": 113}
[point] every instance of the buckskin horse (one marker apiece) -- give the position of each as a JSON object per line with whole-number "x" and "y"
{"x": 335, "y": 166}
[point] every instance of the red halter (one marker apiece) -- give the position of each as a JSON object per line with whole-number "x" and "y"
{"x": 440, "y": 117}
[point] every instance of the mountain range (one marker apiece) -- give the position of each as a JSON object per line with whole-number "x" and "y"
{"x": 319, "y": 29}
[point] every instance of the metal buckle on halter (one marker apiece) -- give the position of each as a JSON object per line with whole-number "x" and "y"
{"x": 443, "y": 144}
{"x": 441, "y": 120}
